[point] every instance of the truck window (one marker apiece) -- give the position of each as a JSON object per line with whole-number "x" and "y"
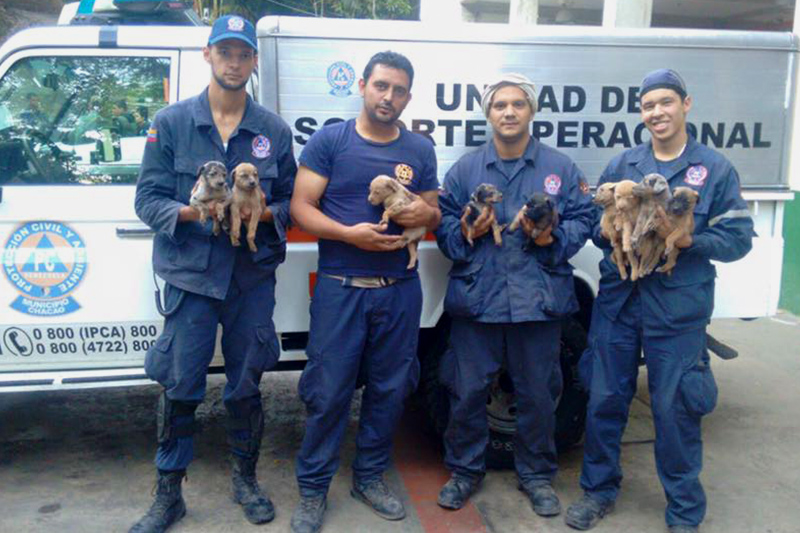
{"x": 78, "y": 120}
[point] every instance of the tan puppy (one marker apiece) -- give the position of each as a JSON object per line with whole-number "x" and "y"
{"x": 395, "y": 197}
{"x": 679, "y": 217}
{"x": 605, "y": 199}
{"x": 627, "y": 205}
{"x": 246, "y": 194}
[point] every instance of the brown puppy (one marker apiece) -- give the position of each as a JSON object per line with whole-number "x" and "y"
{"x": 679, "y": 216}
{"x": 211, "y": 187}
{"x": 604, "y": 197}
{"x": 627, "y": 205}
{"x": 395, "y": 197}
{"x": 480, "y": 200}
{"x": 246, "y": 194}
{"x": 653, "y": 193}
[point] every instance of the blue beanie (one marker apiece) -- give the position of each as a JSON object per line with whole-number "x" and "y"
{"x": 663, "y": 78}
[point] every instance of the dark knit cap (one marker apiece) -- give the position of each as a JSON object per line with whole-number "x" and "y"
{"x": 663, "y": 78}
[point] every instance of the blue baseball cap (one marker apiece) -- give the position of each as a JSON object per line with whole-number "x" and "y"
{"x": 233, "y": 27}
{"x": 663, "y": 78}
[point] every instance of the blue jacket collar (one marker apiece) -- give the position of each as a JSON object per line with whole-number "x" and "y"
{"x": 644, "y": 160}
{"x": 203, "y": 117}
{"x": 529, "y": 155}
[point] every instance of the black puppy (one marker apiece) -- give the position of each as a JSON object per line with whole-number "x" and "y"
{"x": 481, "y": 199}
{"x": 539, "y": 209}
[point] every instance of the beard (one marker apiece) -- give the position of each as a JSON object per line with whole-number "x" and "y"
{"x": 227, "y": 86}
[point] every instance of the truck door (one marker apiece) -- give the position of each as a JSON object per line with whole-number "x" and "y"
{"x": 76, "y": 292}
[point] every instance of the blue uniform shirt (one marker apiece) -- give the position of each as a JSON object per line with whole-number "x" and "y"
{"x": 518, "y": 281}
{"x": 350, "y": 162}
{"x": 723, "y": 232}
{"x": 182, "y": 138}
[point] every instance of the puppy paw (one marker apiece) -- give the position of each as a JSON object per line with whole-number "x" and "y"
{"x": 253, "y": 247}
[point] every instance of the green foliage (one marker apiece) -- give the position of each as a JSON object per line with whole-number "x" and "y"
{"x": 255, "y": 9}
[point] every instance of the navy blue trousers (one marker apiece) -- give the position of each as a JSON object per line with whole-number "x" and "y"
{"x": 179, "y": 360}
{"x": 355, "y": 332}
{"x": 682, "y": 390}
{"x": 475, "y": 356}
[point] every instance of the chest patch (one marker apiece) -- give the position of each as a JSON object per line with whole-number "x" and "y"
{"x": 261, "y": 147}
{"x": 696, "y": 175}
{"x": 552, "y": 184}
{"x": 404, "y": 174}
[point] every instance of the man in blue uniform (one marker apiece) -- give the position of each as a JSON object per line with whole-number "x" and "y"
{"x": 366, "y": 307}
{"x": 208, "y": 281}
{"x": 507, "y": 301}
{"x": 664, "y": 315}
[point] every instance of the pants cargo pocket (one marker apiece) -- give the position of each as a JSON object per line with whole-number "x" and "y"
{"x": 268, "y": 348}
{"x": 309, "y": 383}
{"x": 698, "y": 390}
{"x": 447, "y": 369}
{"x": 158, "y": 362}
{"x": 413, "y": 378}
{"x": 585, "y": 369}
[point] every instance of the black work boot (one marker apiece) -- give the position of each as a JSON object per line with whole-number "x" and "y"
{"x": 307, "y": 516}
{"x": 456, "y": 491}
{"x": 544, "y": 499}
{"x": 586, "y": 513}
{"x": 258, "y": 508}
{"x": 379, "y": 498}
{"x": 168, "y": 506}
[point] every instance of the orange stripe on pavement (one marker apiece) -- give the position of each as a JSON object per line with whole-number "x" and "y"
{"x": 423, "y": 474}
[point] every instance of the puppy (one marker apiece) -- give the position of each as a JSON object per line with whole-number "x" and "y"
{"x": 679, "y": 214}
{"x": 395, "y": 197}
{"x": 539, "y": 209}
{"x": 605, "y": 199}
{"x": 211, "y": 186}
{"x": 246, "y": 193}
{"x": 627, "y": 206}
{"x": 654, "y": 193}
{"x": 480, "y": 200}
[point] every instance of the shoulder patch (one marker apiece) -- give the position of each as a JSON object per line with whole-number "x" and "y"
{"x": 552, "y": 184}
{"x": 696, "y": 175}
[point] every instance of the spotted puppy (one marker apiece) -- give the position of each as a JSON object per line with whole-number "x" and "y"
{"x": 679, "y": 215}
{"x": 246, "y": 195}
{"x": 604, "y": 197}
{"x": 395, "y": 197}
{"x": 539, "y": 209}
{"x": 480, "y": 200}
{"x": 653, "y": 193}
{"x": 211, "y": 187}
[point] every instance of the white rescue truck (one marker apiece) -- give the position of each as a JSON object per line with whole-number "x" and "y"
{"x": 76, "y": 293}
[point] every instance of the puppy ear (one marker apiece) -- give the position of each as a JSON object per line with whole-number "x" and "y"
{"x": 200, "y": 169}
{"x": 394, "y": 185}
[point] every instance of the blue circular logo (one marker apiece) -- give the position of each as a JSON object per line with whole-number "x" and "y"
{"x": 44, "y": 261}
{"x": 341, "y": 77}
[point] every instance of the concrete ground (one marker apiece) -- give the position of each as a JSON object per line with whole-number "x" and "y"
{"x": 82, "y": 461}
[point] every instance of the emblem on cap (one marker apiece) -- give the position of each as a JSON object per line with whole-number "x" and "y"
{"x": 552, "y": 184}
{"x": 404, "y": 174}
{"x": 341, "y": 77}
{"x": 261, "y": 146}
{"x": 696, "y": 175}
{"x": 236, "y": 24}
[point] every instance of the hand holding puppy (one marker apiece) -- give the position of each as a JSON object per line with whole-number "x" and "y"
{"x": 485, "y": 221}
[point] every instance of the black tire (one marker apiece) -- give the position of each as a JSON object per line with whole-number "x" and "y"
{"x": 570, "y": 414}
